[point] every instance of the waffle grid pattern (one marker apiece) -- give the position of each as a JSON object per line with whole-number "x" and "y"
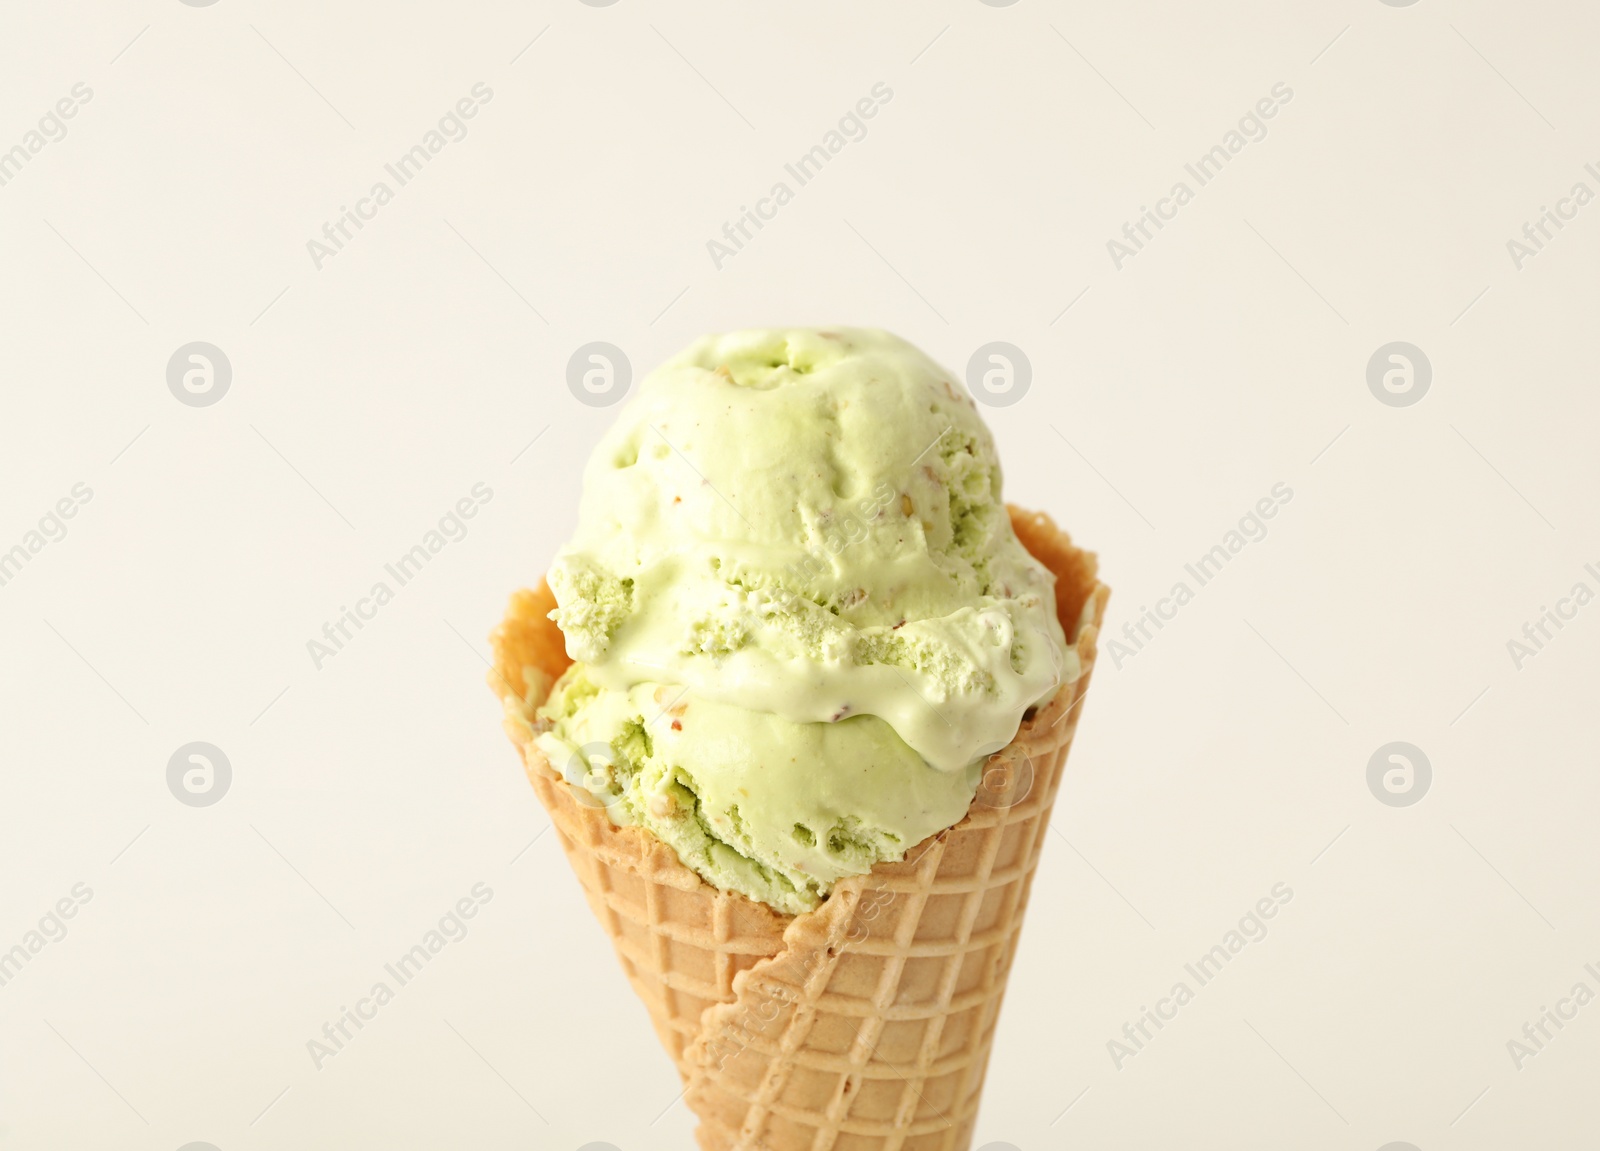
{"x": 678, "y": 964}
{"x": 867, "y": 1023}
{"x": 909, "y": 974}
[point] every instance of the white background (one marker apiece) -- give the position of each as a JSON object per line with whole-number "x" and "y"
{"x": 1229, "y": 755}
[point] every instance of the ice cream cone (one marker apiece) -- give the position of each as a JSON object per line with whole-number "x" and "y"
{"x": 866, "y": 1023}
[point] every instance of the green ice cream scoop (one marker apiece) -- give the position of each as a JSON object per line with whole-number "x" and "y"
{"x": 753, "y": 802}
{"x": 797, "y": 536}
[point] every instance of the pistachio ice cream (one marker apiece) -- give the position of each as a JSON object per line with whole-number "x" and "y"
{"x": 798, "y": 613}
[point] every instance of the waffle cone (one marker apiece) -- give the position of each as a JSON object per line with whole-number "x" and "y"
{"x": 867, "y": 1023}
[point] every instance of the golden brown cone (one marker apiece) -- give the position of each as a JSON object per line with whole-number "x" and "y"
{"x": 867, "y": 1023}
